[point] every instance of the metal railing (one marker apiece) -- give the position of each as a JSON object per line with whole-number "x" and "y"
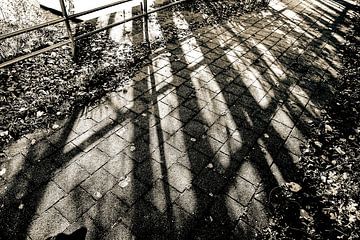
{"x": 71, "y": 38}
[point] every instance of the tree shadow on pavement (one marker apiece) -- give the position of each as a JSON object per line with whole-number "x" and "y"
{"x": 212, "y": 127}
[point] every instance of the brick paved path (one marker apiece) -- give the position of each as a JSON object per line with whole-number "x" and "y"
{"x": 193, "y": 145}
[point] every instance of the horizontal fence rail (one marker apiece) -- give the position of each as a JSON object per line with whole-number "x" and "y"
{"x": 71, "y": 38}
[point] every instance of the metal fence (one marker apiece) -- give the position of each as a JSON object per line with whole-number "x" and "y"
{"x": 73, "y": 38}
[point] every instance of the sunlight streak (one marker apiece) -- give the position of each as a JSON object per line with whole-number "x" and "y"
{"x": 209, "y": 91}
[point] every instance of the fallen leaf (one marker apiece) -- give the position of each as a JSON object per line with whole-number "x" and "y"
{"x": 3, "y": 171}
{"x": 294, "y": 187}
{"x": 210, "y": 165}
{"x": 318, "y": 144}
{"x": 333, "y": 216}
{"x": 339, "y": 150}
{"x": 124, "y": 183}
{"x": 305, "y": 215}
{"x": 328, "y": 128}
{"x": 98, "y": 195}
{"x": 39, "y": 113}
{"x": 352, "y": 218}
{"x": 4, "y": 133}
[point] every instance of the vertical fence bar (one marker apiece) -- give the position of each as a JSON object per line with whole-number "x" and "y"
{"x": 146, "y": 21}
{"x": 68, "y": 27}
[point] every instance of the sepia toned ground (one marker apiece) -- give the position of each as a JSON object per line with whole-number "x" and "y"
{"x": 192, "y": 147}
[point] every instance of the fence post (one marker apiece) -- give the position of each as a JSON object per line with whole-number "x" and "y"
{"x": 146, "y": 21}
{"x": 68, "y": 27}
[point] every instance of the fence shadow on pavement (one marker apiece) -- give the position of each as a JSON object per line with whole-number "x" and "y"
{"x": 194, "y": 145}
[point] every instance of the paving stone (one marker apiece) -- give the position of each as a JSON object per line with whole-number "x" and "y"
{"x": 257, "y": 215}
{"x": 119, "y": 232}
{"x": 194, "y": 104}
{"x": 100, "y": 112}
{"x": 281, "y": 130}
{"x": 208, "y": 146}
{"x": 129, "y": 133}
{"x": 226, "y": 211}
{"x": 227, "y": 163}
{"x": 183, "y": 114}
{"x": 148, "y": 171}
{"x": 82, "y": 125}
{"x": 221, "y": 63}
{"x": 241, "y": 191}
{"x": 99, "y": 183}
{"x": 176, "y": 140}
{"x": 213, "y": 86}
{"x": 50, "y": 196}
{"x": 184, "y": 73}
{"x": 170, "y": 124}
{"x": 228, "y": 98}
{"x": 77, "y": 202}
{"x": 295, "y": 109}
{"x": 162, "y": 110}
{"x": 167, "y": 155}
{"x": 179, "y": 177}
{"x": 182, "y": 223}
{"x": 216, "y": 223}
{"x": 130, "y": 190}
{"x": 62, "y": 137}
{"x": 283, "y": 116}
{"x": 39, "y": 173}
{"x": 48, "y": 224}
{"x": 235, "y": 89}
{"x": 207, "y": 117}
{"x": 177, "y": 66}
{"x": 141, "y": 149}
{"x": 116, "y": 102}
{"x": 144, "y": 122}
{"x": 194, "y": 201}
{"x": 113, "y": 145}
{"x": 195, "y": 129}
{"x": 293, "y": 145}
{"x": 93, "y": 160}
{"x": 194, "y": 160}
{"x": 210, "y": 181}
{"x": 120, "y": 165}
{"x": 145, "y": 220}
{"x": 83, "y": 228}
{"x": 87, "y": 141}
{"x": 70, "y": 177}
{"x": 139, "y": 106}
{"x": 219, "y": 132}
{"x": 106, "y": 212}
{"x": 162, "y": 195}
{"x": 65, "y": 156}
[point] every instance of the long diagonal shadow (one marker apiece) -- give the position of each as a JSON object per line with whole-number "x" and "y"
{"x": 212, "y": 217}
{"x": 28, "y": 185}
{"x": 261, "y": 163}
